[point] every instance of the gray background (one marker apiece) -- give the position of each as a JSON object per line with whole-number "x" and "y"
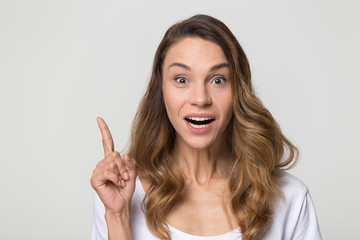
{"x": 63, "y": 63}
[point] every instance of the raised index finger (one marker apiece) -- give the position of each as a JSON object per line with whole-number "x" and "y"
{"x": 107, "y": 139}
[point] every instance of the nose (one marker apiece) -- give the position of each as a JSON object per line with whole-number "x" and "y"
{"x": 200, "y": 95}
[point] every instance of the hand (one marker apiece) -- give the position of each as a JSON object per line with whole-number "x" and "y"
{"x": 114, "y": 177}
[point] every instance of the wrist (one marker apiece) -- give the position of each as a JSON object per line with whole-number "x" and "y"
{"x": 122, "y": 216}
{"x": 118, "y": 224}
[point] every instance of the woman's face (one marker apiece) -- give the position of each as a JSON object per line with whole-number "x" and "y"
{"x": 197, "y": 91}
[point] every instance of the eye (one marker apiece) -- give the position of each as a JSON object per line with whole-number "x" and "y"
{"x": 218, "y": 80}
{"x": 181, "y": 80}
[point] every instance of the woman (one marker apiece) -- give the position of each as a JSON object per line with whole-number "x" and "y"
{"x": 206, "y": 155}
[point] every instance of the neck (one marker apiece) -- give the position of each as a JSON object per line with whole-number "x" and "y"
{"x": 200, "y": 166}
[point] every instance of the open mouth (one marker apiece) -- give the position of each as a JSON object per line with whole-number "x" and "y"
{"x": 199, "y": 122}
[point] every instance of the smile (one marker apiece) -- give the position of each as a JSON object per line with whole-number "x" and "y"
{"x": 199, "y": 122}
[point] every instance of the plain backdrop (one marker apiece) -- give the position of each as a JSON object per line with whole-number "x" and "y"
{"x": 63, "y": 63}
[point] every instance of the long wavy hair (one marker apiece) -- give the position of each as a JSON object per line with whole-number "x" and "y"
{"x": 258, "y": 148}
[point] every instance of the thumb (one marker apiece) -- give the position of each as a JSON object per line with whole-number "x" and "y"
{"x": 130, "y": 165}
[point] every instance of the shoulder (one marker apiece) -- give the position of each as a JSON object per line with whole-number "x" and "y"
{"x": 294, "y": 193}
{"x": 292, "y": 187}
{"x": 294, "y": 212}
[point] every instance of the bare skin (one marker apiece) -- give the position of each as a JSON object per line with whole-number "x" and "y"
{"x": 205, "y": 206}
{"x": 195, "y": 84}
{"x": 114, "y": 181}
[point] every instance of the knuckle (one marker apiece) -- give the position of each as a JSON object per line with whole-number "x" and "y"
{"x": 112, "y": 165}
{"x": 119, "y": 162}
{"x": 106, "y": 173}
{"x": 99, "y": 164}
{"x": 93, "y": 181}
{"x": 116, "y": 154}
{"x": 122, "y": 170}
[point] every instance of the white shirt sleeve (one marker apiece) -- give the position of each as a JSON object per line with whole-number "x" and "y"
{"x": 99, "y": 227}
{"x": 307, "y": 225}
{"x": 294, "y": 215}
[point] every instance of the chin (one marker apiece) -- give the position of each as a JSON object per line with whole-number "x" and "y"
{"x": 199, "y": 144}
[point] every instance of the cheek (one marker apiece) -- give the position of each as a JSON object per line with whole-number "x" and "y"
{"x": 229, "y": 105}
{"x": 172, "y": 102}
{"x": 226, "y": 107}
{"x": 224, "y": 102}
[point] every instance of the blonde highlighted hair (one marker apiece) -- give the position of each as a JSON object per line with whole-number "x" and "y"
{"x": 259, "y": 149}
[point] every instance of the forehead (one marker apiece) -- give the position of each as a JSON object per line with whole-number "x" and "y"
{"x": 195, "y": 51}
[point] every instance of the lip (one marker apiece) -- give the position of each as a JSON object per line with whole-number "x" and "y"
{"x": 199, "y": 130}
{"x": 207, "y": 115}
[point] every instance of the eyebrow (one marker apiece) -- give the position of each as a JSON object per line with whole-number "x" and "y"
{"x": 213, "y": 68}
{"x": 180, "y": 65}
{"x": 221, "y": 65}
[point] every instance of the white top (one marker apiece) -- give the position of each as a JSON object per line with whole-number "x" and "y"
{"x": 294, "y": 218}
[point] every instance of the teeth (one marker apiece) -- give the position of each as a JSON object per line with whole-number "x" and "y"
{"x": 199, "y": 118}
{"x": 198, "y": 126}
